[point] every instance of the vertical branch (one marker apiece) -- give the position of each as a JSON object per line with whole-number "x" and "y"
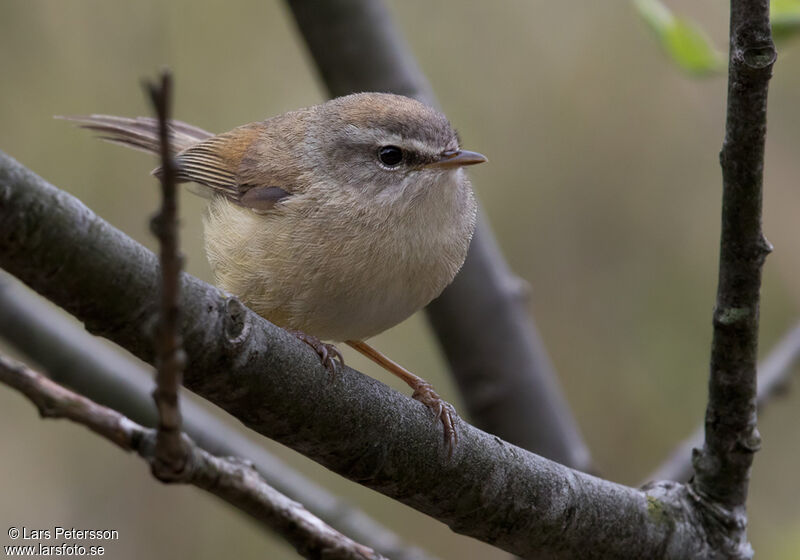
{"x": 722, "y": 467}
{"x": 170, "y": 453}
{"x": 494, "y": 350}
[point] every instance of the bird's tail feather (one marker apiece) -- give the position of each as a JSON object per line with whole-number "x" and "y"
{"x": 140, "y": 133}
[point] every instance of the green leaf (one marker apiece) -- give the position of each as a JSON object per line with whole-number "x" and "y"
{"x": 690, "y": 47}
{"x": 683, "y": 40}
{"x": 785, "y": 17}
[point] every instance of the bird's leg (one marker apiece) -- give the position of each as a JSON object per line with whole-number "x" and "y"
{"x": 423, "y": 391}
{"x": 328, "y": 353}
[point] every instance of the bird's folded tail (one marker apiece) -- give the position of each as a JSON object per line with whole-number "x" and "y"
{"x": 140, "y": 133}
{"x": 199, "y": 159}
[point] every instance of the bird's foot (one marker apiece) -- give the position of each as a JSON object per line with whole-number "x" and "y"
{"x": 442, "y": 410}
{"x": 423, "y": 392}
{"x": 328, "y": 353}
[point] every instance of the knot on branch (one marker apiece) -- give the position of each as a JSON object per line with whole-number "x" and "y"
{"x": 758, "y": 57}
{"x": 170, "y": 471}
{"x": 167, "y": 469}
{"x": 732, "y": 316}
{"x": 765, "y": 246}
{"x": 703, "y": 462}
{"x": 518, "y": 289}
{"x": 235, "y": 322}
{"x": 750, "y": 441}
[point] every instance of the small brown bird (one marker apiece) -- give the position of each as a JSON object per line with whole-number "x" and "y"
{"x": 336, "y": 221}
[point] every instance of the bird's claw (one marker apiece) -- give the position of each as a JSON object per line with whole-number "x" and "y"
{"x": 442, "y": 410}
{"x": 328, "y": 353}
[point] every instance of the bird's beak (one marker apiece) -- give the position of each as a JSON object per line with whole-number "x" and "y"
{"x": 457, "y": 158}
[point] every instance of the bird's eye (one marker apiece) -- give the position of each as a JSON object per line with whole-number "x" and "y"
{"x": 390, "y": 156}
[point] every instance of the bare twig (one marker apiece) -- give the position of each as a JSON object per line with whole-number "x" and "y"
{"x": 73, "y": 357}
{"x": 170, "y": 359}
{"x": 722, "y": 467}
{"x": 773, "y": 375}
{"x": 233, "y": 480}
{"x": 495, "y": 352}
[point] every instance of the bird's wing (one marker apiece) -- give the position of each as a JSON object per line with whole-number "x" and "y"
{"x": 216, "y": 163}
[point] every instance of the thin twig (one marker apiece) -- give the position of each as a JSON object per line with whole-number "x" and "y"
{"x": 508, "y": 383}
{"x": 773, "y": 375}
{"x": 722, "y": 467}
{"x": 233, "y": 480}
{"x": 170, "y": 357}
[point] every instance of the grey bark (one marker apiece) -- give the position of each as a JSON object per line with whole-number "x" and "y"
{"x": 722, "y": 466}
{"x": 494, "y": 350}
{"x": 355, "y": 426}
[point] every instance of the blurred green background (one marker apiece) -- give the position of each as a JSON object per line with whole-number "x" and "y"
{"x": 603, "y": 188}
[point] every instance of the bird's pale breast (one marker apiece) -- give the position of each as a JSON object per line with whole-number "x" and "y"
{"x": 341, "y": 272}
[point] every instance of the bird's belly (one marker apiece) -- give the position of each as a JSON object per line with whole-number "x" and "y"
{"x": 355, "y": 309}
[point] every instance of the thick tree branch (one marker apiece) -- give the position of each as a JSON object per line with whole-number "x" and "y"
{"x": 234, "y": 481}
{"x": 773, "y": 375}
{"x": 722, "y": 467}
{"x": 494, "y": 350}
{"x": 78, "y": 360}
